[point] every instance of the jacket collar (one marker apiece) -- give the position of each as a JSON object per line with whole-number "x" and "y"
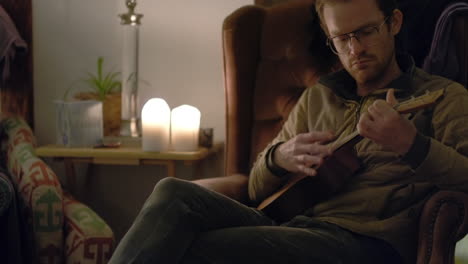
{"x": 343, "y": 84}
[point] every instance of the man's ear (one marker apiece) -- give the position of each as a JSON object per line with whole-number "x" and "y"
{"x": 397, "y": 21}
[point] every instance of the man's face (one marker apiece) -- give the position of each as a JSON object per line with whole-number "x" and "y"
{"x": 366, "y": 63}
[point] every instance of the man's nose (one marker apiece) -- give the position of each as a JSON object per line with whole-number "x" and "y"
{"x": 355, "y": 47}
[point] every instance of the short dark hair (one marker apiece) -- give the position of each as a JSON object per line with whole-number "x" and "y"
{"x": 317, "y": 47}
{"x": 386, "y": 6}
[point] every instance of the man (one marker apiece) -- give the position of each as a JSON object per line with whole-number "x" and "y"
{"x": 374, "y": 218}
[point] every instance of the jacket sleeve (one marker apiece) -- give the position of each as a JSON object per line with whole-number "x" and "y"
{"x": 446, "y": 163}
{"x": 262, "y": 182}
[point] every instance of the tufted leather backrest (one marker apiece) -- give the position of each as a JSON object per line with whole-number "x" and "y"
{"x": 268, "y": 62}
{"x": 284, "y": 69}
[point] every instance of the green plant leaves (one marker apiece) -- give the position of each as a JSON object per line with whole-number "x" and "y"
{"x": 103, "y": 84}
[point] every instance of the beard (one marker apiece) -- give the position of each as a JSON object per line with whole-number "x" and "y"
{"x": 367, "y": 69}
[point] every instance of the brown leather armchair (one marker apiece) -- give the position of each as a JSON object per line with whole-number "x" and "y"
{"x": 267, "y": 64}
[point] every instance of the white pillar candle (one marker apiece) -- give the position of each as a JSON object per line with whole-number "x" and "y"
{"x": 155, "y": 121}
{"x": 185, "y": 125}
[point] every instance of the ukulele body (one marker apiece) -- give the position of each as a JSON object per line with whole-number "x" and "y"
{"x": 303, "y": 192}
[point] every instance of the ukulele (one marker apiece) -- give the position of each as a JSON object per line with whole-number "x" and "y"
{"x": 301, "y": 192}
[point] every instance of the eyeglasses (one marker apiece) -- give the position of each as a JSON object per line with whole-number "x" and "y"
{"x": 367, "y": 36}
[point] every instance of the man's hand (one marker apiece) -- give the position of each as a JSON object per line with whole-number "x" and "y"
{"x": 385, "y": 126}
{"x": 304, "y": 153}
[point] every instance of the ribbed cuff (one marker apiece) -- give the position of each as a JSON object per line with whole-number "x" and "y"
{"x": 270, "y": 162}
{"x": 418, "y": 151}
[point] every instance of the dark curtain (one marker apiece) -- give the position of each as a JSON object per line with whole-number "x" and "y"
{"x": 420, "y": 19}
{"x": 16, "y": 240}
{"x": 17, "y": 92}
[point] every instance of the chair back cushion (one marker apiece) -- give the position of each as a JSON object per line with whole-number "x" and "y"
{"x": 270, "y": 56}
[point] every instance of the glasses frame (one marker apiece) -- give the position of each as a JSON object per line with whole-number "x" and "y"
{"x": 353, "y": 34}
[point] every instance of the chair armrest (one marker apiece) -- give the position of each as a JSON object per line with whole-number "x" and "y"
{"x": 85, "y": 230}
{"x": 233, "y": 186}
{"x": 38, "y": 186}
{"x": 444, "y": 220}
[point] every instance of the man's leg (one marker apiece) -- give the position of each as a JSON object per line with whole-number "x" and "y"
{"x": 175, "y": 213}
{"x": 319, "y": 243}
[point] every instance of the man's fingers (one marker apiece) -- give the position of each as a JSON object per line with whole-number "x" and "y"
{"x": 390, "y": 98}
{"x": 365, "y": 124}
{"x": 318, "y": 136}
{"x": 311, "y": 161}
{"x": 308, "y": 164}
{"x": 379, "y": 109}
{"x": 304, "y": 152}
{"x": 318, "y": 150}
{"x": 314, "y": 149}
{"x": 307, "y": 170}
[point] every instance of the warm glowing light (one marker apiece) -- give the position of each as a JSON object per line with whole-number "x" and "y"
{"x": 155, "y": 122}
{"x": 185, "y": 126}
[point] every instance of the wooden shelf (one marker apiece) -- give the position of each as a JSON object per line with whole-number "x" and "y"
{"x": 122, "y": 156}
{"x": 123, "y": 153}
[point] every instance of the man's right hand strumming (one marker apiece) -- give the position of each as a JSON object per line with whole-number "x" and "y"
{"x": 304, "y": 153}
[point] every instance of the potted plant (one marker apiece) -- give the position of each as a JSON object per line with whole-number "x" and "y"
{"x": 105, "y": 87}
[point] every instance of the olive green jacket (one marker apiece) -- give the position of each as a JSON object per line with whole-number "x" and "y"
{"x": 385, "y": 198}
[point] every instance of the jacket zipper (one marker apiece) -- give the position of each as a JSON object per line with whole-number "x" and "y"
{"x": 358, "y": 112}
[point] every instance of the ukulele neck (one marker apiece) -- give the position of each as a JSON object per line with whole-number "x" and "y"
{"x": 411, "y": 105}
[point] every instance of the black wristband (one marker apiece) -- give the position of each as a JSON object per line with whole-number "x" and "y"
{"x": 418, "y": 151}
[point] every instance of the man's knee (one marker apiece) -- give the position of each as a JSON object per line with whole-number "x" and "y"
{"x": 169, "y": 190}
{"x": 169, "y": 185}
{"x": 165, "y": 192}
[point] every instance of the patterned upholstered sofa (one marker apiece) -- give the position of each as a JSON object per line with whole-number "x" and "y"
{"x": 62, "y": 229}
